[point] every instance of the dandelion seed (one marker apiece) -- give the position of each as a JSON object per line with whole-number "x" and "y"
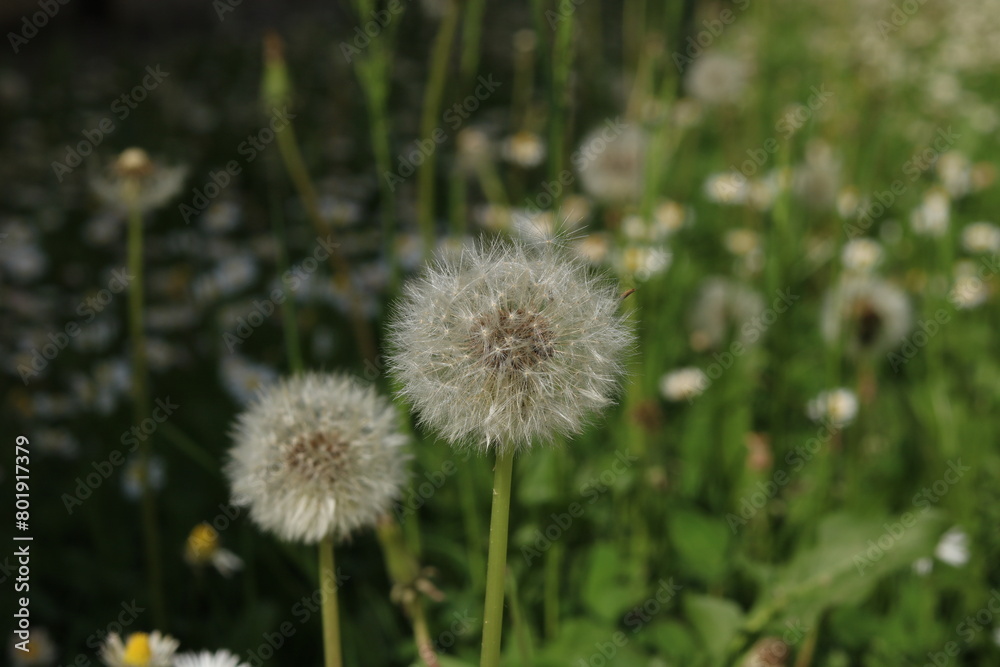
{"x": 317, "y": 456}
{"x": 508, "y": 344}
{"x": 139, "y": 650}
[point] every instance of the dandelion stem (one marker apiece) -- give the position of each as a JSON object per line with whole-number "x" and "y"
{"x": 497, "y": 564}
{"x": 328, "y": 590}
{"x": 140, "y": 395}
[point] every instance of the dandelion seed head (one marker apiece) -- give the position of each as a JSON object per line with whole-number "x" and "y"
{"x": 317, "y": 455}
{"x": 507, "y": 344}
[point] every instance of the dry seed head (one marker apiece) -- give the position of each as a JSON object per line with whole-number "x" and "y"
{"x": 506, "y": 344}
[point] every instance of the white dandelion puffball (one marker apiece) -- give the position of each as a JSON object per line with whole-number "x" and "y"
{"x": 147, "y": 650}
{"x": 861, "y": 255}
{"x": 222, "y": 658}
{"x": 981, "y": 237}
{"x": 508, "y": 343}
{"x": 611, "y": 162}
{"x": 317, "y": 455}
{"x": 872, "y": 315}
{"x": 717, "y": 78}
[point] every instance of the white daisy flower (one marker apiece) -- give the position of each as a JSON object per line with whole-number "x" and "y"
{"x": 871, "y": 315}
{"x": 524, "y": 149}
{"x": 683, "y": 384}
{"x": 727, "y": 187}
{"x": 244, "y": 379}
{"x": 861, "y": 255}
{"x": 642, "y": 262}
{"x": 933, "y": 215}
{"x": 969, "y": 290}
{"x": 202, "y": 548}
{"x": 506, "y": 344}
{"x": 221, "y": 658}
{"x": 132, "y": 476}
{"x": 838, "y": 406}
{"x": 981, "y": 238}
{"x": 953, "y": 547}
{"x": 317, "y": 455}
{"x": 139, "y": 650}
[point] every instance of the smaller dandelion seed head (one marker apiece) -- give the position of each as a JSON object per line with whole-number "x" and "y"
{"x": 317, "y": 455}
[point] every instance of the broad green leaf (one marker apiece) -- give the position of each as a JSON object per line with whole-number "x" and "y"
{"x": 716, "y": 620}
{"x": 613, "y": 584}
{"x": 702, "y": 544}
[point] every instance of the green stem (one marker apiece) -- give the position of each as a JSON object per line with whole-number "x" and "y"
{"x": 497, "y": 564}
{"x": 289, "y": 321}
{"x": 328, "y": 590}
{"x": 562, "y": 58}
{"x": 432, "y": 109}
{"x": 140, "y": 395}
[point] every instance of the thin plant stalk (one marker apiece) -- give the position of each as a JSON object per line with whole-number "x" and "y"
{"x": 432, "y": 109}
{"x": 497, "y": 563}
{"x": 331, "y": 614}
{"x": 140, "y": 395}
{"x": 471, "y": 29}
{"x": 562, "y": 59}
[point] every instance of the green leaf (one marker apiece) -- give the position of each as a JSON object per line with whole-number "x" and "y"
{"x": 850, "y": 556}
{"x": 612, "y": 584}
{"x": 716, "y": 620}
{"x": 702, "y": 544}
